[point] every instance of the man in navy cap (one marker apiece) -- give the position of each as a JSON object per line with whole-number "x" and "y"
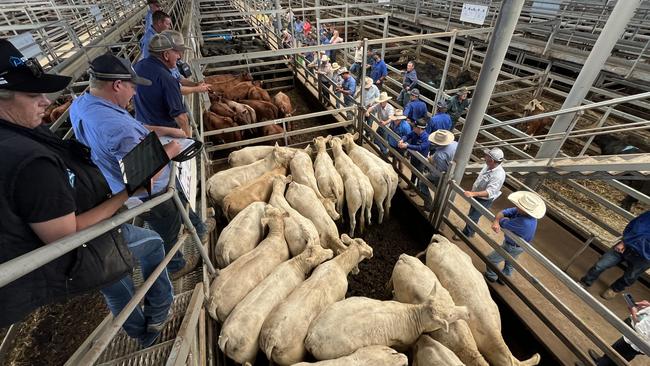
{"x": 100, "y": 121}
{"x": 416, "y": 108}
{"x": 417, "y": 141}
{"x": 162, "y": 103}
{"x": 441, "y": 120}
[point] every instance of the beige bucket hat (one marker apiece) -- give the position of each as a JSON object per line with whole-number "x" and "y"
{"x": 367, "y": 82}
{"x": 343, "y": 70}
{"x": 441, "y": 137}
{"x": 335, "y": 66}
{"x": 529, "y": 202}
{"x": 383, "y": 97}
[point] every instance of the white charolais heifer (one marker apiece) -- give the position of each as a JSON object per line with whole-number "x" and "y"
{"x": 429, "y": 352}
{"x": 358, "y": 190}
{"x": 358, "y": 322}
{"x": 251, "y": 154}
{"x": 240, "y": 277}
{"x": 298, "y": 230}
{"x": 413, "y": 283}
{"x": 467, "y": 287}
{"x": 241, "y": 235}
{"x": 239, "y": 336}
{"x": 304, "y": 200}
{"x": 220, "y": 184}
{"x": 259, "y": 189}
{"x": 330, "y": 183}
{"x": 302, "y": 171}
{"x": 366, "y": 356}
{"x": 283, "y": 335}
{"x": 382, "y": 176}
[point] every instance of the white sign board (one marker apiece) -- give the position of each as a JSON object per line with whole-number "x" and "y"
{"x": 383, "y": 1}
{"x": 473, "y": 13}
{"x": 26, "y": 45}
{"x": 186, "y": 174}
{"x": 96, "y": 12}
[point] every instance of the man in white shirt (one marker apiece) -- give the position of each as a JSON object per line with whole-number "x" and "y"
{"x": 486, "y": 187}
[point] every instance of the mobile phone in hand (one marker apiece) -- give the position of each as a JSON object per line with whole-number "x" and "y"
{"x": 629, "y": 300}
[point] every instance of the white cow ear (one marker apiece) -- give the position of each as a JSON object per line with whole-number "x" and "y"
{"x": 355, "y": 136}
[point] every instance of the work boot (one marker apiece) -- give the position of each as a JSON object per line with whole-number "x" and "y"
{"x": 609, "y": 294}
{"x": 191, "y": 261}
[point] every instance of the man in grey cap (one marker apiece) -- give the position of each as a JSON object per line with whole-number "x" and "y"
{"x": 416, "y": 108}
{"x": 458, "y": 105}
{"x": 161, "y": 104}
{"x": 486, "y": 187}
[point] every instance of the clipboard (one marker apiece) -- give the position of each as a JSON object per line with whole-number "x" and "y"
{"x": 189, "y": 147}
{"x": 140, "y": 164}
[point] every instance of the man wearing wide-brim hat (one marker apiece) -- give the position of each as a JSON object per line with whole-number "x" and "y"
{"x": 383, "y": 111}
{"x": 445, "y": 145}
{"x": 398, "y": 125}
{"x": 371, "y": 91}
{"x": 347, "y": 88}
{"x": 486, "y": 187}
{"x": 336, "y": 77}
{"x": 458, "y": 105}
{"x": 521, "y": 221}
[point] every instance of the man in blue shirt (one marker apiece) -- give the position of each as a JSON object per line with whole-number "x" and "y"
{"x": 416, "y": 108}
{"x": 154, "y": 6}
{"x": 634, "y": 249}
{"x": 417, "y": 141}
{"x": 160, "y": 22}
{"x": 379, "y": 70}
{"x": 348, "y": 88}
{"x": 101, "y": 122}
{"x": 445, "y": 145}
{"x": 521, "y": 220}
{"x": 409, "y": 82}
{"x": 161, "y": 104}
{"x": 441, "y": 120}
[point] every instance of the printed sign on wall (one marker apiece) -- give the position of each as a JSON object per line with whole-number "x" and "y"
{"x": 26, "y": 44}
{"x": 473, "y": 13}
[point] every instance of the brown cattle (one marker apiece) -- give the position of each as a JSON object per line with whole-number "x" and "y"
{"x": 271, "y": 130}
{"x": 258, "y": 93}
{"x": 223, "y": 109}
{"x": 263, "y": 110}
{"x": 246, "y": 113}
{"x": 215, "y": 122}
{"x": 535, "y": 107}
{"x": 283, "y": 102}
{"x": 220, "y": 78}
{"x": 57, "y": 108}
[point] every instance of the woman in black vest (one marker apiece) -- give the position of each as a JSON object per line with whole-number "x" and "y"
{"x": 49, "y": 189}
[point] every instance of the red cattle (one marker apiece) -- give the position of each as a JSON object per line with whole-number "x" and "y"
{"x": 213, "y": 122}
{"x": 263, "y": 110}
{"x": 283, "y": 102}
{"x": 535, "y": 107}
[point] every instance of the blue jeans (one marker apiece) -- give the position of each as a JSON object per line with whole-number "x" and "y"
{"x": 165, "y": 219}
{"x": 636, "y": 265}
{"x": 147, "y": 247}
{"x": 496, "y": 258}
{"x": 475, "y": 214}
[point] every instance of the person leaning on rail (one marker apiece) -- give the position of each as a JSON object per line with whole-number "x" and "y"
{"x": 100, "y": 122}
{"x": 50, "y": 189}
{"x": 486, "y": 187}
{"x": 521, "y": 220}
{"x": 633, "y": 249}
{"x": 416, "y": 108}
{"x": 458, "y": 105}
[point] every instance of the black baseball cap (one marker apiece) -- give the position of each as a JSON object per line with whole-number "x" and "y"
{"x": 23, "y": 74}
{"x": 110, "y": 67}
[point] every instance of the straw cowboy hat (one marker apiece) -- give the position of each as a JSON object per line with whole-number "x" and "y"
{"x": 441, "y": 137}
{"x": 324, "y": 58}
{"x": 343, "y": 70}
{"x": 529, "y": 202}
{"x": 367, "y": 82}
{"x": 399, "y": 114}
{"x": 383, "y": 97}
{"x": 335, "y": 66}
{"x": 463, "y": 90}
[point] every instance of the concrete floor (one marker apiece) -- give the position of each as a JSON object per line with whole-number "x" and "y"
{"x": 558, "y": 245}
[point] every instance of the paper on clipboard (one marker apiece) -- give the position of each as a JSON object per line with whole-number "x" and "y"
{"x": 185, "y": 143}
{"x": 185, "y": 168}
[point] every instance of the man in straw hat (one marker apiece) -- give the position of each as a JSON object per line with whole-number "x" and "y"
{"x": 409, "y": 82}
{"x": 486, "y": 187}
{"x": 458, "y": 105}
{"x": 445, "y": 145}
{"x": 347, "y": 88}
{"x": 372, "y": 92}
{"x": 441, "y": 120}
{"x": 416, "y": 108}
{"x": 417, "y": 141}
{"x": 633, "y": 249}
{"x": 521, "y": 220}
{"x": 324, "y": 73}
{"x": 401, "y": 128}
{"x": 337, "y": 79}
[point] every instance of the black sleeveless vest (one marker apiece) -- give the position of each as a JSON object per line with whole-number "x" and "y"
{"x": 94, "y": 265}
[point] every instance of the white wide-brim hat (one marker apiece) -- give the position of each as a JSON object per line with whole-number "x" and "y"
{"x": 441, "y": 137}
{"x": 335, "y": 66}
{"x": 368, "y": 83}
{"x": 399, "y": 114}
{"x": 383, "y": 97}
{"x": 529, "y": 202}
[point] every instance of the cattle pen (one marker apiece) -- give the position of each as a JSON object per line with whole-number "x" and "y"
{"x": 589, "y": 71}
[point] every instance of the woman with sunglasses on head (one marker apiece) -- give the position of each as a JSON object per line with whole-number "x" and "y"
{"x": 50, "y": 189}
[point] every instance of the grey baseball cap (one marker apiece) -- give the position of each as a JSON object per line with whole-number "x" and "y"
{"x": 167, "y": 40}
{"x": 110, "y": 67}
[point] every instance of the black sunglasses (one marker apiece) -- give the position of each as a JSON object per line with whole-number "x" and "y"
{"x": 30, "y": 64}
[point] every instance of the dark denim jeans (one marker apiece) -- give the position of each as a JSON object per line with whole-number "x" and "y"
{"x": 147, "y": 247}
{"x": 165, "y": 219}
{"x": 636, "y": 265}
{"x": 475, "y": 214}
{"x": 496, "y": 258}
